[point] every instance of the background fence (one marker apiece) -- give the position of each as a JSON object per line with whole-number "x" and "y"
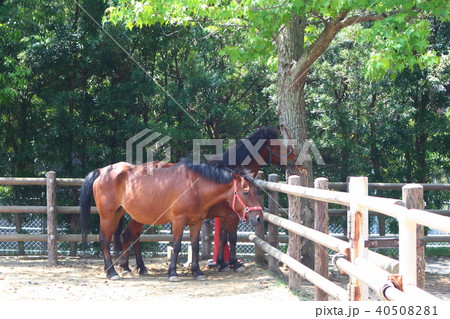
{"x": 17, "y": 223}
{"x": 24, "y": 229}
{"x": 37, "y": 226}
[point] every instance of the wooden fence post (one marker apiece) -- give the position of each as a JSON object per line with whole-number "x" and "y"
{"x": 51, "y": 218}
{"x": 259, "y": 230}
{"x": 274, "y": 264}
{"x": 411, "y": 240}
{"x": 294, "y": 248}
{"x": 358, "y": 233}
{"x": 321, "y": 224}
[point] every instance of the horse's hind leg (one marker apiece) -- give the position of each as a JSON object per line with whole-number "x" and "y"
{"x": 107, "y": 228}
{"x": 109, "y": 266}
{"x": 195, "y": 236}
{"x": 117, "y": 242}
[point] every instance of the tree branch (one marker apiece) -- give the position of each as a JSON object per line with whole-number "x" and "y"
{"x": 318, "y": 47}
{"x": 366, "y": 18}
{"x": 318, "y": 16}
{"x": 243, "y": 95}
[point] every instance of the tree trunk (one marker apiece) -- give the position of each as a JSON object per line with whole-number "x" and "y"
{"x": 18, "y": 224}
{"x": 375, "y": 156}
{"x": 294, "y": 62}
{"x": 292, "y": 115}
{"x": 421, "y": 142}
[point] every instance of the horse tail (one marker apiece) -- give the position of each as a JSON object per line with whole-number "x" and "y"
{"x": 85, "y": 204}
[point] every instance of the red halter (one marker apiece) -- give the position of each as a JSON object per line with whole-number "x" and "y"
{"x": 246, "y": 208}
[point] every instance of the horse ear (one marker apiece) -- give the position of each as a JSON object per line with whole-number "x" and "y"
{"x": 235, "y": 175}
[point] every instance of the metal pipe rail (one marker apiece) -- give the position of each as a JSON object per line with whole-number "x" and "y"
{"x": 378, "y": 280}
{"x": 386, "y": 289}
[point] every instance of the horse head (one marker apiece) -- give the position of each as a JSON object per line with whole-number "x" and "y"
{"x": 282, "y": 155}
{"x": 244, "y": 200}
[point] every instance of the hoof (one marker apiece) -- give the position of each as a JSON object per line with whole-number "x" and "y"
{"x": 238, "y": 266}
{"x": 115, "y": 277}
{"x": 127, "y": 273}
{"x": 223, "y": 267}
{"x": 200, "y": 278}
{"x": 144, "y": 273}
{"x": 174, "y": 279}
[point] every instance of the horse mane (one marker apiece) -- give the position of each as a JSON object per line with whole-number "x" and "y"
{"x": 217, "y": 173}
{"x": 242, "y": 152}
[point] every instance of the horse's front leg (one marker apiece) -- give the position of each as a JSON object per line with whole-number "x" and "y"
{"x": 177, "y": 229}
{"x": 232, "y": 227}
{"x": 195, "y": 236}
{"x": 234, "y": 263}
{"x": 140, "y": 267}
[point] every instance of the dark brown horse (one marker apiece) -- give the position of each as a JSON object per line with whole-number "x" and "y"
{"x": 271, "y": 150}
{"x": 181, "y": 194}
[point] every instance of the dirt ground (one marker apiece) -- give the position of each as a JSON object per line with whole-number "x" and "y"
{"x": 84, "y": 280}
{"x": 75, "y": 279}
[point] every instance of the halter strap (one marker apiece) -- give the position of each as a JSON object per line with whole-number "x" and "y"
{"x": 246, "y": 208}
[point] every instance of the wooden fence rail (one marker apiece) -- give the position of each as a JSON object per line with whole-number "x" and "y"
{"x": 332, "y": 185}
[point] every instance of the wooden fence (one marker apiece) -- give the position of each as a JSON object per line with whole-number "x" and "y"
{"x": 351, "y": 255}
{"x": 367, "y": 269}
{"x": 51, "y": 210}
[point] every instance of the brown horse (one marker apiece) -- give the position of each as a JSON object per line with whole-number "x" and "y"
{"x": 181, "y": 194}
{"x": 271, "y": 150}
